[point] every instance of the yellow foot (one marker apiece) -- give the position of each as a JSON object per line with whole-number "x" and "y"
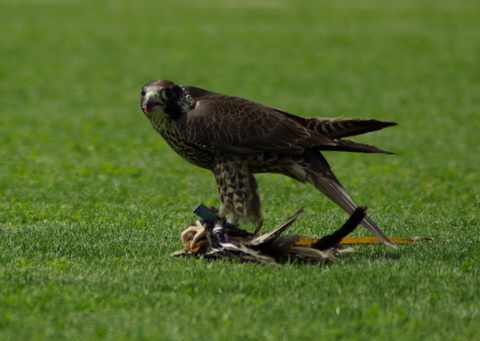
{"x": 193, "y": 236}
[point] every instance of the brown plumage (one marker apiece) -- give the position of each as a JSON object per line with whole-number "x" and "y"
{"x": 235, "y": 138}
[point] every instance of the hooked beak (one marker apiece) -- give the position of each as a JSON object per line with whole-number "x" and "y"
{"x": 149, "y": 102}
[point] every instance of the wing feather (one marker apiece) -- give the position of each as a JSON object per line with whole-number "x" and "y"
{"x": 237, "y": 125}
{"x": 240, "y": 126}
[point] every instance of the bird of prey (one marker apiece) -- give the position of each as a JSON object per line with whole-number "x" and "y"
{"x": 235, "y": 138}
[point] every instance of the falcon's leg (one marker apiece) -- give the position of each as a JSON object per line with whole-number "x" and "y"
{"x": 253, "y": 203}
{"x": 238, "y": 190}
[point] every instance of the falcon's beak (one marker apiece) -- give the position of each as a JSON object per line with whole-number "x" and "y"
{"x": 149, "y": 102}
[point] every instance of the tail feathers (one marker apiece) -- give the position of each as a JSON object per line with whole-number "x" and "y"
{"x": 336, "y": 237}
{"x": 326, "y": 182}
{"x": 338, "y": 128}
{"x": 352, "y": 146}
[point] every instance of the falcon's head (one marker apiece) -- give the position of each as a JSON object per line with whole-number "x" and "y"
{"x": 165, "y": 97}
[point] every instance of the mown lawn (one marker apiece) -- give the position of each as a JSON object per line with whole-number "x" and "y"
{"x": 93, "y": 200}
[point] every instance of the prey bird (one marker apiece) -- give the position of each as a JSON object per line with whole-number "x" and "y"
{"x": 235, "y": 138}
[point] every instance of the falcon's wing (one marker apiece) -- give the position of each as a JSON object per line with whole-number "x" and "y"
{"x": 243, "y": 127}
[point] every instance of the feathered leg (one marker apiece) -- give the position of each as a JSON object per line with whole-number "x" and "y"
{"x": 238, "y": 191}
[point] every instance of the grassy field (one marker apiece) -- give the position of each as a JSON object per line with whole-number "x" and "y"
{"x": 93, "y": 200}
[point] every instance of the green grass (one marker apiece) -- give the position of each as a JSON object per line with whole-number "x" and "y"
{"x": 92, "y": 200}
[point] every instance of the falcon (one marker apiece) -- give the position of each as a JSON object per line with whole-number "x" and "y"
{"x": 236, "y": 138}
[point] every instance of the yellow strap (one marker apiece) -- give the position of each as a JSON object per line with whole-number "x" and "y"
{"x": 373, "y": 240}
{"x": 307, "y": 241}
{"x": 364, "y": 240}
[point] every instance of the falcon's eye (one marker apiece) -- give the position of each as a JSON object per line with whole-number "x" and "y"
{"x": 166, "y": 94}
{"x": 143, "y": 93}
